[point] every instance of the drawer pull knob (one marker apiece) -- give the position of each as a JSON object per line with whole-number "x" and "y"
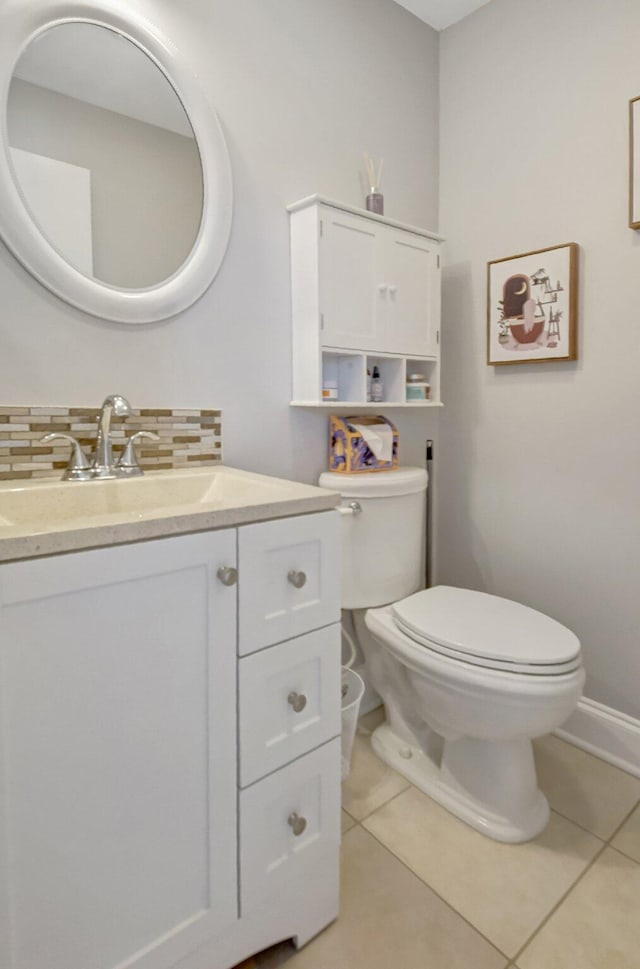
{"x": 297, "y": 700}
{"x": 297, "y": 824}
{"x": 297, "y": 579}
{"x": 228, "y": 576}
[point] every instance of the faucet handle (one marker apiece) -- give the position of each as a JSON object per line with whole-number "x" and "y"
{"x": 127, "y": 463}
{"x": 78, "y": 468}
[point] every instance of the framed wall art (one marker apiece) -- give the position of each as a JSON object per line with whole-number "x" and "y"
{"x": 634, "y": 163}
{"x": 532, "y": 306}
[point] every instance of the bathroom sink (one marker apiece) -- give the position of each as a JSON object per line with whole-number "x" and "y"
{"x": 103, "y": 512}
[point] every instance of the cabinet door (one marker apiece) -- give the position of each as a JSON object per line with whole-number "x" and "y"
{"x": 412, "y": 297}
{"x": 351, "y": 307}
{"x": 289, "y": 578}
{"x": 117, "y": 755}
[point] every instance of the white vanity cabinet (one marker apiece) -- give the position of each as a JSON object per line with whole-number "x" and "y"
{"x": 132, "y": 835}
{"x": 365, "y": 293}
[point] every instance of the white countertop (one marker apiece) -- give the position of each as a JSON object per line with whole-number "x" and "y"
{"x": 48, "y": 517}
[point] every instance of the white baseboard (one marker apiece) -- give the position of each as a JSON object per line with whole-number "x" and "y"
{"x": 613, "y": 736}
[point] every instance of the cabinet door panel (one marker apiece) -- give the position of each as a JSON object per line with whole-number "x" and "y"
{"x": 276, "y": 726}
{"x": 350, "y": 302}
{"x": 272, "y": 607}
{"x": 272, "y": 856}
{"x": 412, "y": 276}
{"x": 116, "y": 684}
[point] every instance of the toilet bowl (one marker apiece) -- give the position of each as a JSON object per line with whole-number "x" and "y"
{"x": 482, "y": 705}
{"x": 468, "y": 679}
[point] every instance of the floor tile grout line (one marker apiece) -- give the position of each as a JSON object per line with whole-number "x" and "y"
{"x": 622, "y": 824}
{"x": 437, "y": 894}
{"x": 347, "y": 813}
{"x": 560, "y": 901}
{"x": 582, "y": 827}
{"x": 624, "y": 854}
{"x": 554, "y": 810}
{"x": 384, "y": 803}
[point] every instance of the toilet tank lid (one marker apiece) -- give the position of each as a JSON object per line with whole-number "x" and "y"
{"x": 379, "y": 484}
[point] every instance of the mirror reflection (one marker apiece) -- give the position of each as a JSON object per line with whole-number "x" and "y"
{"x": 105, "y": 156}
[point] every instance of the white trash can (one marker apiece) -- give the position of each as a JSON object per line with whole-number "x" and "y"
{"x": 352, "y": 692}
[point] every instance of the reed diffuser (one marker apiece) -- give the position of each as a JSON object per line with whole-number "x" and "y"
{"x": 375, "y": 199}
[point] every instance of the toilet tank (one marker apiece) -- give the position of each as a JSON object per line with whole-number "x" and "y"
{"x": 383, "y": 545}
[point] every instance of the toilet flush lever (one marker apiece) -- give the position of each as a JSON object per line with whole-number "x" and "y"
{"x": 353, "y": 508}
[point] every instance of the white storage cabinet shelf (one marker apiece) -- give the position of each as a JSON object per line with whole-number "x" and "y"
{"x": 169, "y": 749}
{"x": 365, "y": 293}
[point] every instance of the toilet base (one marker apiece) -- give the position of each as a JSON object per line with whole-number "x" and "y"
{"x": 510, "y": 768}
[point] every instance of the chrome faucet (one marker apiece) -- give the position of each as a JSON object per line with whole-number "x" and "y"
{"x": 103, "y": 465}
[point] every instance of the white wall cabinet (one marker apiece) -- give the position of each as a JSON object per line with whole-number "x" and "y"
{"x": 120, "y": 814}
{"x": 365, "y": 293}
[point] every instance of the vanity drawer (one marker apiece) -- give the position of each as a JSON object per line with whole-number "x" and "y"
{"x": 289, "y": 578}
{"x": 288, "y": 821}
{"x": 289, "y": 697}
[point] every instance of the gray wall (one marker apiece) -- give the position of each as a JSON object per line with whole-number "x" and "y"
{"x": 146, "y": 182}
{"x": 302, "y": 88}
{"x": 541, "y": 468}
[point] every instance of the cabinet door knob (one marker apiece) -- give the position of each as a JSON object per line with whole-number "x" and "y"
{"x": 297, "y": 579}
{"x": 393, "y": 290}
{"x": 297, "y": 700}
{"x": 382, "y": 288}
{"x": 228, "y": 576}
{"x": 297, "y": 823}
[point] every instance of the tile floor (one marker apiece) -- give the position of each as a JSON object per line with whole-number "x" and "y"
{"x": 421, "y": 890}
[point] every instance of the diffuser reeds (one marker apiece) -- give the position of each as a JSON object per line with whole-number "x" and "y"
{"x": 374, "y": 179}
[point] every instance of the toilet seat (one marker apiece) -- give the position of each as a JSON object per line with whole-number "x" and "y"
{"x": 487, "y": 631}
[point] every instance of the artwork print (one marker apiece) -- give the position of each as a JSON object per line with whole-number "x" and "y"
{"x": 531, "y": 306}
{"x": 634, "y": 163}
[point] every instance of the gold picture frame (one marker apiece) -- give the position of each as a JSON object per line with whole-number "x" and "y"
{"x": 634, "y": 163}
{"x": 532, "y": 306}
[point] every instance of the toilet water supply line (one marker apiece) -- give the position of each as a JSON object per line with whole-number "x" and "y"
{"x": 353, "y": 508}
{"x": 352, "y": 647}
{"x": 428, "y": 548}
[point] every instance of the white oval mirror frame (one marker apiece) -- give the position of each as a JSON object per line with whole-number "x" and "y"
{"x": 21, "y": 24}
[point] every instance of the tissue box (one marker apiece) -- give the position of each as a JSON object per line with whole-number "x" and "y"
{"x": 349, "y": 453}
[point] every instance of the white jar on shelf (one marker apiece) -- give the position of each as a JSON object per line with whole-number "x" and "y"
{"x": 418, "y": 387}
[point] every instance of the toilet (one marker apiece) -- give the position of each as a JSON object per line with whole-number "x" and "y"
{"x": 467, "y": 679}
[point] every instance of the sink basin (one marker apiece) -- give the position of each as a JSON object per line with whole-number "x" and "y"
{"x": 52, "y": 505}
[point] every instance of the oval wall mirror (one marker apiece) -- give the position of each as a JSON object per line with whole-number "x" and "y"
{"x": 115, "y": 182}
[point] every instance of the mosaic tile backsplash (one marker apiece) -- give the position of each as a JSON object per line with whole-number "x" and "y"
{"x": 188, "y": 438}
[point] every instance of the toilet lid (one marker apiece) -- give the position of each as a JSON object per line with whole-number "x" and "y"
{"x": 487, "y": 631}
